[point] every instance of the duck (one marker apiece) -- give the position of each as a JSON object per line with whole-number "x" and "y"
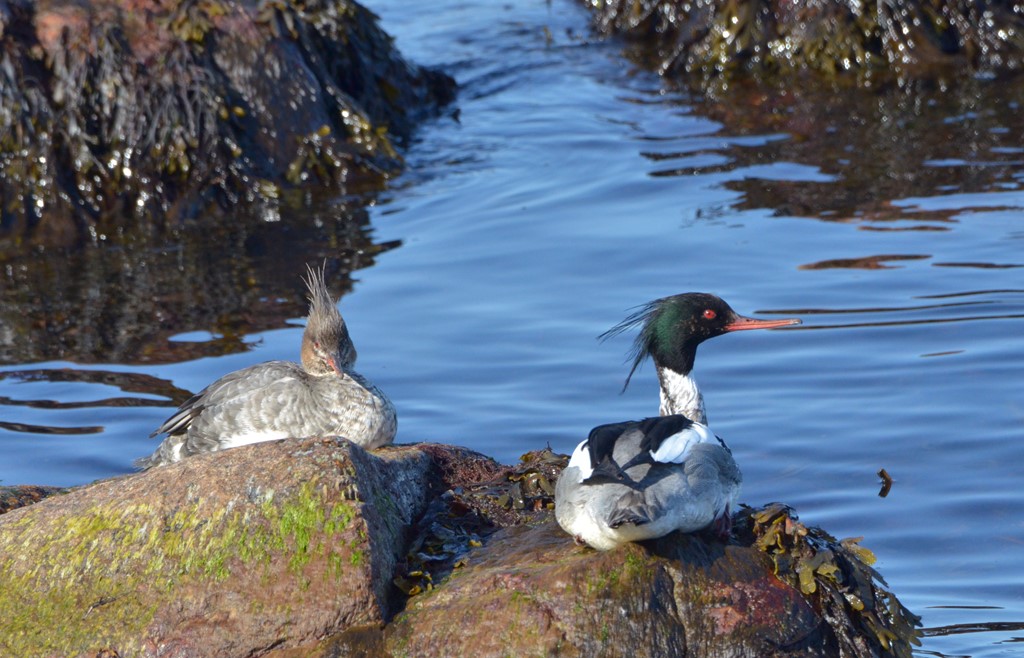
{"x": 642, "y": 479}
{"x": 322, "y": 396}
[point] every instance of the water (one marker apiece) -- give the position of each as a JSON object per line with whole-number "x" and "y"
{"x": 572, "y": 187}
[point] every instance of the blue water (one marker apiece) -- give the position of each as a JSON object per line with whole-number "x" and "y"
{"x": 572, "y": 187}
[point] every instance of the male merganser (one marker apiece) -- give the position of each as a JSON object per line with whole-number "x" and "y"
{"x": 643, "y": 479}
{"x": 280, "y": 399}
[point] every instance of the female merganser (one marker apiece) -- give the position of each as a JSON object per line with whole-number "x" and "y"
{"x": 280, "y": 399}
{"x": 643, "y": 479}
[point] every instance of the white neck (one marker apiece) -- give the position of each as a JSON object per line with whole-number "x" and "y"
{"x": 680, "y": 395}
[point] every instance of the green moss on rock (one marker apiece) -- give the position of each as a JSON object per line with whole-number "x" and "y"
{"x": 96, "y": 578}
{"x": 278, "y": 544}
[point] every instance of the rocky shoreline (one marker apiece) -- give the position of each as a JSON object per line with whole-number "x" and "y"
{"x": 117, "y": 114}
{"x": 317, "y": 548}
{"x": 869, "y": 44}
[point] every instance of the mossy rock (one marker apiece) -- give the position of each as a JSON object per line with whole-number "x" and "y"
{"x": 277, "y": 545}
{"x": 316, "y": 548}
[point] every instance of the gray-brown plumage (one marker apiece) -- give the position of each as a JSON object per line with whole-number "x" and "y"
{"x": 280, "y": 399}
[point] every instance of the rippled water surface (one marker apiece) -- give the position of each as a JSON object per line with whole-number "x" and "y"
{"x": 569, "y": 187}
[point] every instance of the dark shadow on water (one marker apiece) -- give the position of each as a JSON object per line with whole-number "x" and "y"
{"x": 981, "y": 266}
{"x": 979, "y": 627}
{"x": 887, "y": 309}
{"x": 125, "y": 381}
{"x": 44, "y": 429}
{"x": 165, "y": 394}
{"x": 902, "y": 323}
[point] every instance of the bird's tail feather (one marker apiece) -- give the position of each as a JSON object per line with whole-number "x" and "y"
{"x": 630, "y": 508}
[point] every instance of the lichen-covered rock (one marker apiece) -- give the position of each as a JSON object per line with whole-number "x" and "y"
{"x": 870, "y": 40}
{"x": 115, "y": 111}
{"x": 225, "y": 554}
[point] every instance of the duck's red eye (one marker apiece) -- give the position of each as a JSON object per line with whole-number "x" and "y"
{"x": 710, "y": 314}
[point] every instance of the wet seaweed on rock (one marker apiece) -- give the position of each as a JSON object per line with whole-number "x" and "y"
{"x": 167, "y": 113}
{"x": 532, "y": 483}
{"x": 716, "y": 40}
{"x": 14, "y": 497}
{"x": 837, "y": 577}
{"x": 481, "y": 497}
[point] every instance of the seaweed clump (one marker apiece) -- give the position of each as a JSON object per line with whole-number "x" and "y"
{"x": 837, "y": 578}
{"x": 115, "y": 113}
{"x": 14, "y": 497}
{"x": 478, "y": 497}
{"x": 870, "y": 40}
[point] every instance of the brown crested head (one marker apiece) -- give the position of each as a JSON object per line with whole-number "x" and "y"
{"x": 326, "y": 345}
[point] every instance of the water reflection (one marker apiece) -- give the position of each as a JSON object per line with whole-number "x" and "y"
{"x": 862, "y": 263}
{"x": 120, "y": 299}
{"x": 866, "y": 147}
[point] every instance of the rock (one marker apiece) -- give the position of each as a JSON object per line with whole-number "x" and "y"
{"x": 115, "y": 112}
{"x": 316, "y": 548}
{"x": 530, "y": 591}
{"x": 713, "y": 40}
{"x": 227, "y": 554}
